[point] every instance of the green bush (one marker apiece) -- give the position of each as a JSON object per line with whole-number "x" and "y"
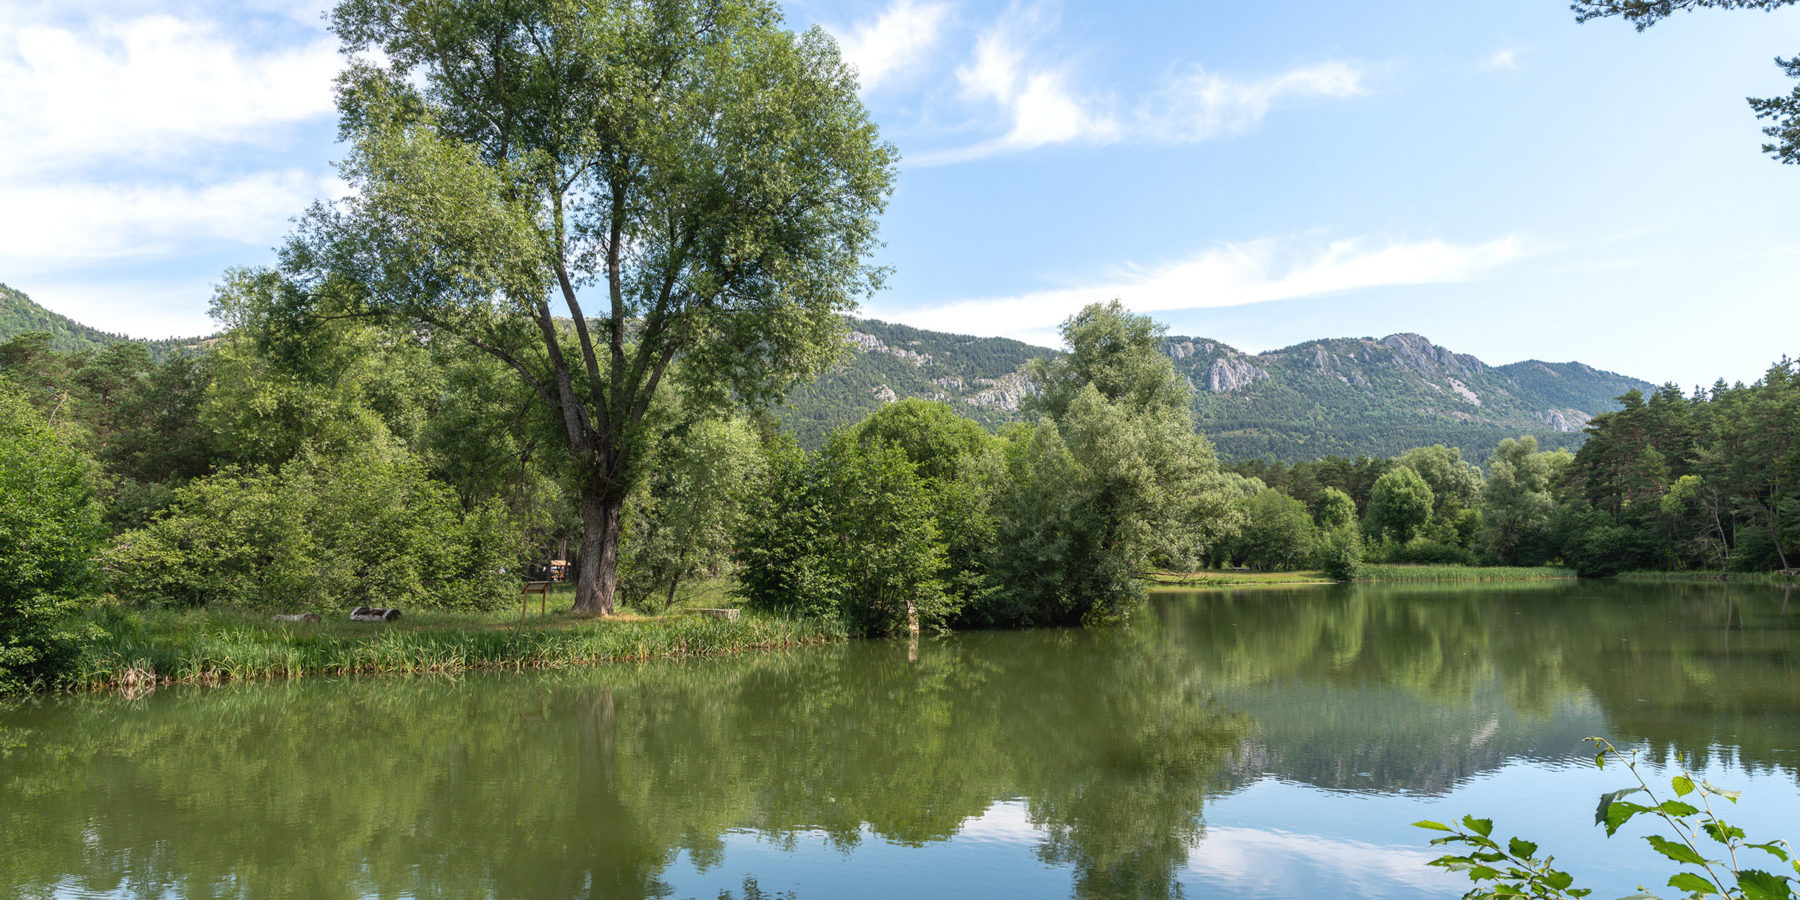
{"x": 370, "y": 528}
{"x": 1427, "y": 552}
{"x": 846, "y": 535}
{"x": 49, "y": 527}
{"x": 1340, "y": 552}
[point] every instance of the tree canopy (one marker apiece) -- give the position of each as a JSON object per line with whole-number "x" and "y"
{"x": 705, "y": 180}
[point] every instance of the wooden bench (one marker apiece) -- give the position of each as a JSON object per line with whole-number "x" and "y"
{"x": 540, "y": 588}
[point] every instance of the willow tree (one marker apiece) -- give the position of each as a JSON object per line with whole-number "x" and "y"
{"x": 609, "y": 196}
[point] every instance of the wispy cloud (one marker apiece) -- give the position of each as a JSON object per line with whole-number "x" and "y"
{"x": 895, "y": 42}
{"x": 1228, "y": 275}
{"x": 1198, "y": 105}
{"x": 1502, "y": 59}
{"x": 1014, "y": 77}
{"x": 48, "y": 226}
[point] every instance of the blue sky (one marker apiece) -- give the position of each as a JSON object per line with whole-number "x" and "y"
{"x": 1491, "y": 175}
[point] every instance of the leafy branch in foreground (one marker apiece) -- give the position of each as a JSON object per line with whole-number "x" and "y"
{"x": 1515, "y": 869}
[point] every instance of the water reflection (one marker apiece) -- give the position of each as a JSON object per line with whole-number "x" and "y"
{"x": 1088, "y": 758}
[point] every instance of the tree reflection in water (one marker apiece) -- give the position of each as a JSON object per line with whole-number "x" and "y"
{"x": 593, "y": 782}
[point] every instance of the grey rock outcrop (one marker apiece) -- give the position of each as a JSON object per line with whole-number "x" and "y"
{"x": 1230, "y": 373}
{"x": 1004, "y": 392}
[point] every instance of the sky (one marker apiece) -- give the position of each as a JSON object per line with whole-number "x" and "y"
{"x": 1489, "y": 174}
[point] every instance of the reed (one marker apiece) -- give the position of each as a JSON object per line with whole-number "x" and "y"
{"x": 1398, "y": 572}
{"x": 138, "y": 648}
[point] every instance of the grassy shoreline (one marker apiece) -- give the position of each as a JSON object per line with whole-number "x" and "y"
{"x": 1391, "y": 572}
{"x": 142, "y": 649}
{"x": 1708, "y": 578}
{"x": 1369, "y": 573}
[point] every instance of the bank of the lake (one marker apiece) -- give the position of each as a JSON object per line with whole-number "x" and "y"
{"x": 135, "y": 648}
{"x": 1696, "y": 577}
{"x": 132, "y": 648}
{"x": 1371, "y": 572}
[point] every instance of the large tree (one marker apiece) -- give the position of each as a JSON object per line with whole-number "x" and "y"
{"x": 1785, "y": 111}
{"x": 605, "y": 195}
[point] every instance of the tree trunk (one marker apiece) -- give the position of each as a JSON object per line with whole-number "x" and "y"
{"x": 602, "y": 514}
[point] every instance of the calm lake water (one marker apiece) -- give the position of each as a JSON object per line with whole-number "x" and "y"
{"x": 1267, "y": 743}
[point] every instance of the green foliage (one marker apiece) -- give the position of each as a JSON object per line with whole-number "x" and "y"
{"x": 680, "y": 524}
{"x": 1515, "y": 869}
{"x": 1110, "y": 484}
{"x": 49, "y": 527}
{"x": 1277, "y": 533}
{"x": 322, "y": 534}
{"x": 1340, "y": 551}
{"x": 846, "y": 535}
{"x": 714, "y": 174}
{"x": 962, "y": 468}
{"x": 1335, "y": 509}
{"x": 1517, "y": 504}
{"x": 1399, "y": 505}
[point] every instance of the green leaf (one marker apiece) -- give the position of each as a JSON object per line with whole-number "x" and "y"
{"x": 1612, "y": 813}
{"x": 1483, "y": 827}
{"x": 1600, "y": 760}
{"x": 1692, "y": 883}
{"x": 1559, "y": 880}
{"x": 1676, "y": 808}
{"x": 1721, "y": 832}
{"x": 1759, "y": 885}
{"x": 1680, "y": 853}
{"x": 1521, "y": 848}
{"x": 1682, "y": 784}
{"x": 1773, "y": 848}
{"x": 1434, "y": 826}
{"x": 1715, "y": 790}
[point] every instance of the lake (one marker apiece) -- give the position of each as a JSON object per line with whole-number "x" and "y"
{"x": 1255, "y": 743}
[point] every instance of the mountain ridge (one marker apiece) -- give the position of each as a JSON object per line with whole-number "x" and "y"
{"x": 1344, "y": 396}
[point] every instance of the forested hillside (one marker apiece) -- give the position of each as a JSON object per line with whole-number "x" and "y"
{"x": 20, "y": 314}
{"x": 979, "y": 376}
{"x": 1345, "y": 396}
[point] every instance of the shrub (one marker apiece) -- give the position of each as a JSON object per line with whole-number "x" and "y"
{"x": 370, "y": 528}
{"x": 846, "y": 535}
{"x": 49, "y": 527}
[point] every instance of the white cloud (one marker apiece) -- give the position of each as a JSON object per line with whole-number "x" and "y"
{"x": 1229, "y": 275}
{"x": 149, "y": 89}
{"x": 895, "y": 42}
{"x": 1198, "y": 105}
{"x": 1270, "y": 861}
{"x": 48, "y": 227}
{"x": 1502, "y": 59}
{"x": 1035, "y": 96}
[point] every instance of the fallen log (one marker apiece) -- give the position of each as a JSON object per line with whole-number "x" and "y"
{"x": 301, "y": 617}
{"x": 373, "y": 614}
{"x": 727, "y": 614}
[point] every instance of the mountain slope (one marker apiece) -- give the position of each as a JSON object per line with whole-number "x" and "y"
{"x": 20, "y": 314}
{"x": 1345, "y": 396}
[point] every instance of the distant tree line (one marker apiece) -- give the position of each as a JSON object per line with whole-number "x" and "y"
{"x": 1709, "y": 482}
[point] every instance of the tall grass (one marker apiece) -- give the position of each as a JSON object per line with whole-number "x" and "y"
{"x": 1220, "y": 578}
{"x": 135, "y": 649}
{"x": 1399, "y": 572}
{"x": 1697, "y": 576}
